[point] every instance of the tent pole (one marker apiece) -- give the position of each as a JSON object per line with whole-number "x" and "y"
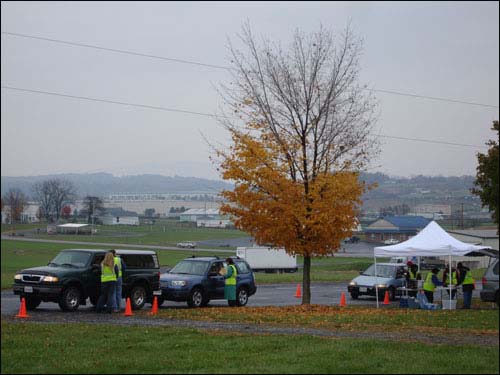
{"x": 450, "y": 277}
{"x": 376, "y": 279}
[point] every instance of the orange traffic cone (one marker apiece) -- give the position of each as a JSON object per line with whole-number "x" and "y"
{"x": 386, "y": 298}
{"x": 342, "y": 299}
{"x": 154, "y": 309}
{"x": 22, "y": 310}
{"x": 298, "y": 293}
{"x": 128, "y": 308}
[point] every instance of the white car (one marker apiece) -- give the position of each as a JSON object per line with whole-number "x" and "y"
{"x": 187, "y": 245}
{"x": 391, "y": 241}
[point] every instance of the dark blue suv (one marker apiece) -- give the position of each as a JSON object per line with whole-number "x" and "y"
{"x": 197, "y": 281}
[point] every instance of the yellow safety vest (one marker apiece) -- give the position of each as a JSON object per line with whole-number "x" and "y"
{"x": 107, "y": 274}
{"x": 428, "y": 284}
{"x": 232, "y": 280}
{"x": 468, "y": 278}
{"x": 453, "y": 280}
{"x": 118, "y": 262}
{"x": 413, "y": 276}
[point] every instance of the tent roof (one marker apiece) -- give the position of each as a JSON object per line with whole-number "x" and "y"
{"x": 430, "y": 241}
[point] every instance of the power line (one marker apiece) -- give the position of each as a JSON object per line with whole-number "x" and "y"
{"x": 181, "y": 61}
{"x": 202, "y": 113}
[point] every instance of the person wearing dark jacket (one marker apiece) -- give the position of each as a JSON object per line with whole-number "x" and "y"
{"x": 464, "y": 277}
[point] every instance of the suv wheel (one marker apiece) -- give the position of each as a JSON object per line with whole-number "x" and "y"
{"x": 196, "y": 298}
{"x": 138, "y": 297}
{"x": 161, "y": 299}
{"x": 354, "y": 295}
{"x": 70, "y": 299}
{"x": 242, "y": 296}
{"x": 32, "y": 302}
{"x": 498, "y": 299}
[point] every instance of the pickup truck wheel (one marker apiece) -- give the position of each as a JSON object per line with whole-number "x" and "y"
{"x": 70, "y": 299}
{"x": 32, "y": 302}
{"x": 138, "y": 297}
{"x": 354, "y": 295}
{"x": 241, "y": 296}
{"x": 196, "y": 298}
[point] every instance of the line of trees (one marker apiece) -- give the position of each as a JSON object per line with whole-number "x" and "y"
{"x": 52, "y": 195}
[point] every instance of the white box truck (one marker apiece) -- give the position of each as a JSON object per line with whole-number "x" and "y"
{"x": 268, "y": 259}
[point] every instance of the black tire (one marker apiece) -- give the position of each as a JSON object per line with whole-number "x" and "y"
{"x": 32, "y": 302}
{"x": 354, "y": 295}
{"x": 241, "y": 296}
{"x": 160, "y": 300}
{"x": 70, "y": 299}
{"x": 93, "y": 300}
{"x": 196, "y": 298}
{"x": 498, "y": 299}
{"x": 138, "y": 296}
{"x": 392, "y": 294}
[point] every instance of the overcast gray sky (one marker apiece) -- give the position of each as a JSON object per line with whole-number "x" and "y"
{"x": 448, "y": 50}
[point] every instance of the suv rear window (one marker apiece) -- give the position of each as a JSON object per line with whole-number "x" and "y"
{"x": 495, "y": 268}
{"x": 242, "y": 267}
{"x": 139, "y": 261}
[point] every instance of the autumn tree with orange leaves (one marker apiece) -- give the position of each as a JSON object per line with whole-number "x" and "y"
{"x": 301, "y": 129}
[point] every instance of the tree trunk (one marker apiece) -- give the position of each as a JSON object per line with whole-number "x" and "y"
{"x": 306, "y": 281}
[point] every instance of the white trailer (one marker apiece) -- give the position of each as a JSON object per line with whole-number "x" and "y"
{"x": 267, "y": 259}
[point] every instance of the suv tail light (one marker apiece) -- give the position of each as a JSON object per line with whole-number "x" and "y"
{"x": 484, "y": 281}
{"x": 158, "y": 276}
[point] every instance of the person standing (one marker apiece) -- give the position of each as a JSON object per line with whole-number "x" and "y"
{"x": 464, "y": 277}
{"x": 119, "y": 281}
{"x": 430, "y": 284}
{"x": 412, "y": 277}
{"x": 230, "y": 284}
{"x": 108, "y": 283}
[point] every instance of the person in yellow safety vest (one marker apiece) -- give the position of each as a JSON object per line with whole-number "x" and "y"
{"x": 412, "y": 277}
{"x": 465, "y": 278}
{"x": 430, "y": 284}
{"x": 119, "y": 281}
{"x": 230, "y": 284}
{"x": 447, "y": 280}
{"x": 109, "y": 272}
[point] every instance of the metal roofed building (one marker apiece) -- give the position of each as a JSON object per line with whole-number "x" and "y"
{"x": 399, "y": 228}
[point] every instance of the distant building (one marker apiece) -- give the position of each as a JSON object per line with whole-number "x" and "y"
{"x": 399, "y": 228}
{"x": 195, "y": 214}
{"x": 213, "y": 223}
{"x": 486, "y": 237}
{"x": 29, "y": 214}
{"x": 71, "y": 228}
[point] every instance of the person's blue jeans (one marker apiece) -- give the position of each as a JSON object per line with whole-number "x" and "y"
{"x": 107, "y": 296}
{"x": 467, "y": 299}
{"x": 118, "y": 294}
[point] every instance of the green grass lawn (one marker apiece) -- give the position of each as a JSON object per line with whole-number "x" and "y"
{"x": 81, "y": 348}
{"x": 166, "y": 233}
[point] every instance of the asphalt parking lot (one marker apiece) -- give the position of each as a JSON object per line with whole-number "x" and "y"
{"x": 267, "y": 295}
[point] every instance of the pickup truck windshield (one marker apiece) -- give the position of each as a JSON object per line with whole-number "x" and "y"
{"x": 70, "y": 259}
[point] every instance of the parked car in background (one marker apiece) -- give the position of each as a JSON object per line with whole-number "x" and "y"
{"x": 187, "y": 245}
{"x": 389, "y": 277}
{"x": 490, "y": 283}
{"x": 197, "y": 281}
{"x": 75, "y": 275}
{"x": 391, "y": 241}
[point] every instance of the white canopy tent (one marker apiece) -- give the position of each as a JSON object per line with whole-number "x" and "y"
{"x": 430, "y": 241}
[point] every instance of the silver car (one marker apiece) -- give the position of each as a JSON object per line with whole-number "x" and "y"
{"x": 490, "y": 284}
{"x": 390, "y": 276}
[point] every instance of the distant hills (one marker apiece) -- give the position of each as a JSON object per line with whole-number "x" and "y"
{"x": 415, "y": 189}
{"x": 104, "y": 184}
